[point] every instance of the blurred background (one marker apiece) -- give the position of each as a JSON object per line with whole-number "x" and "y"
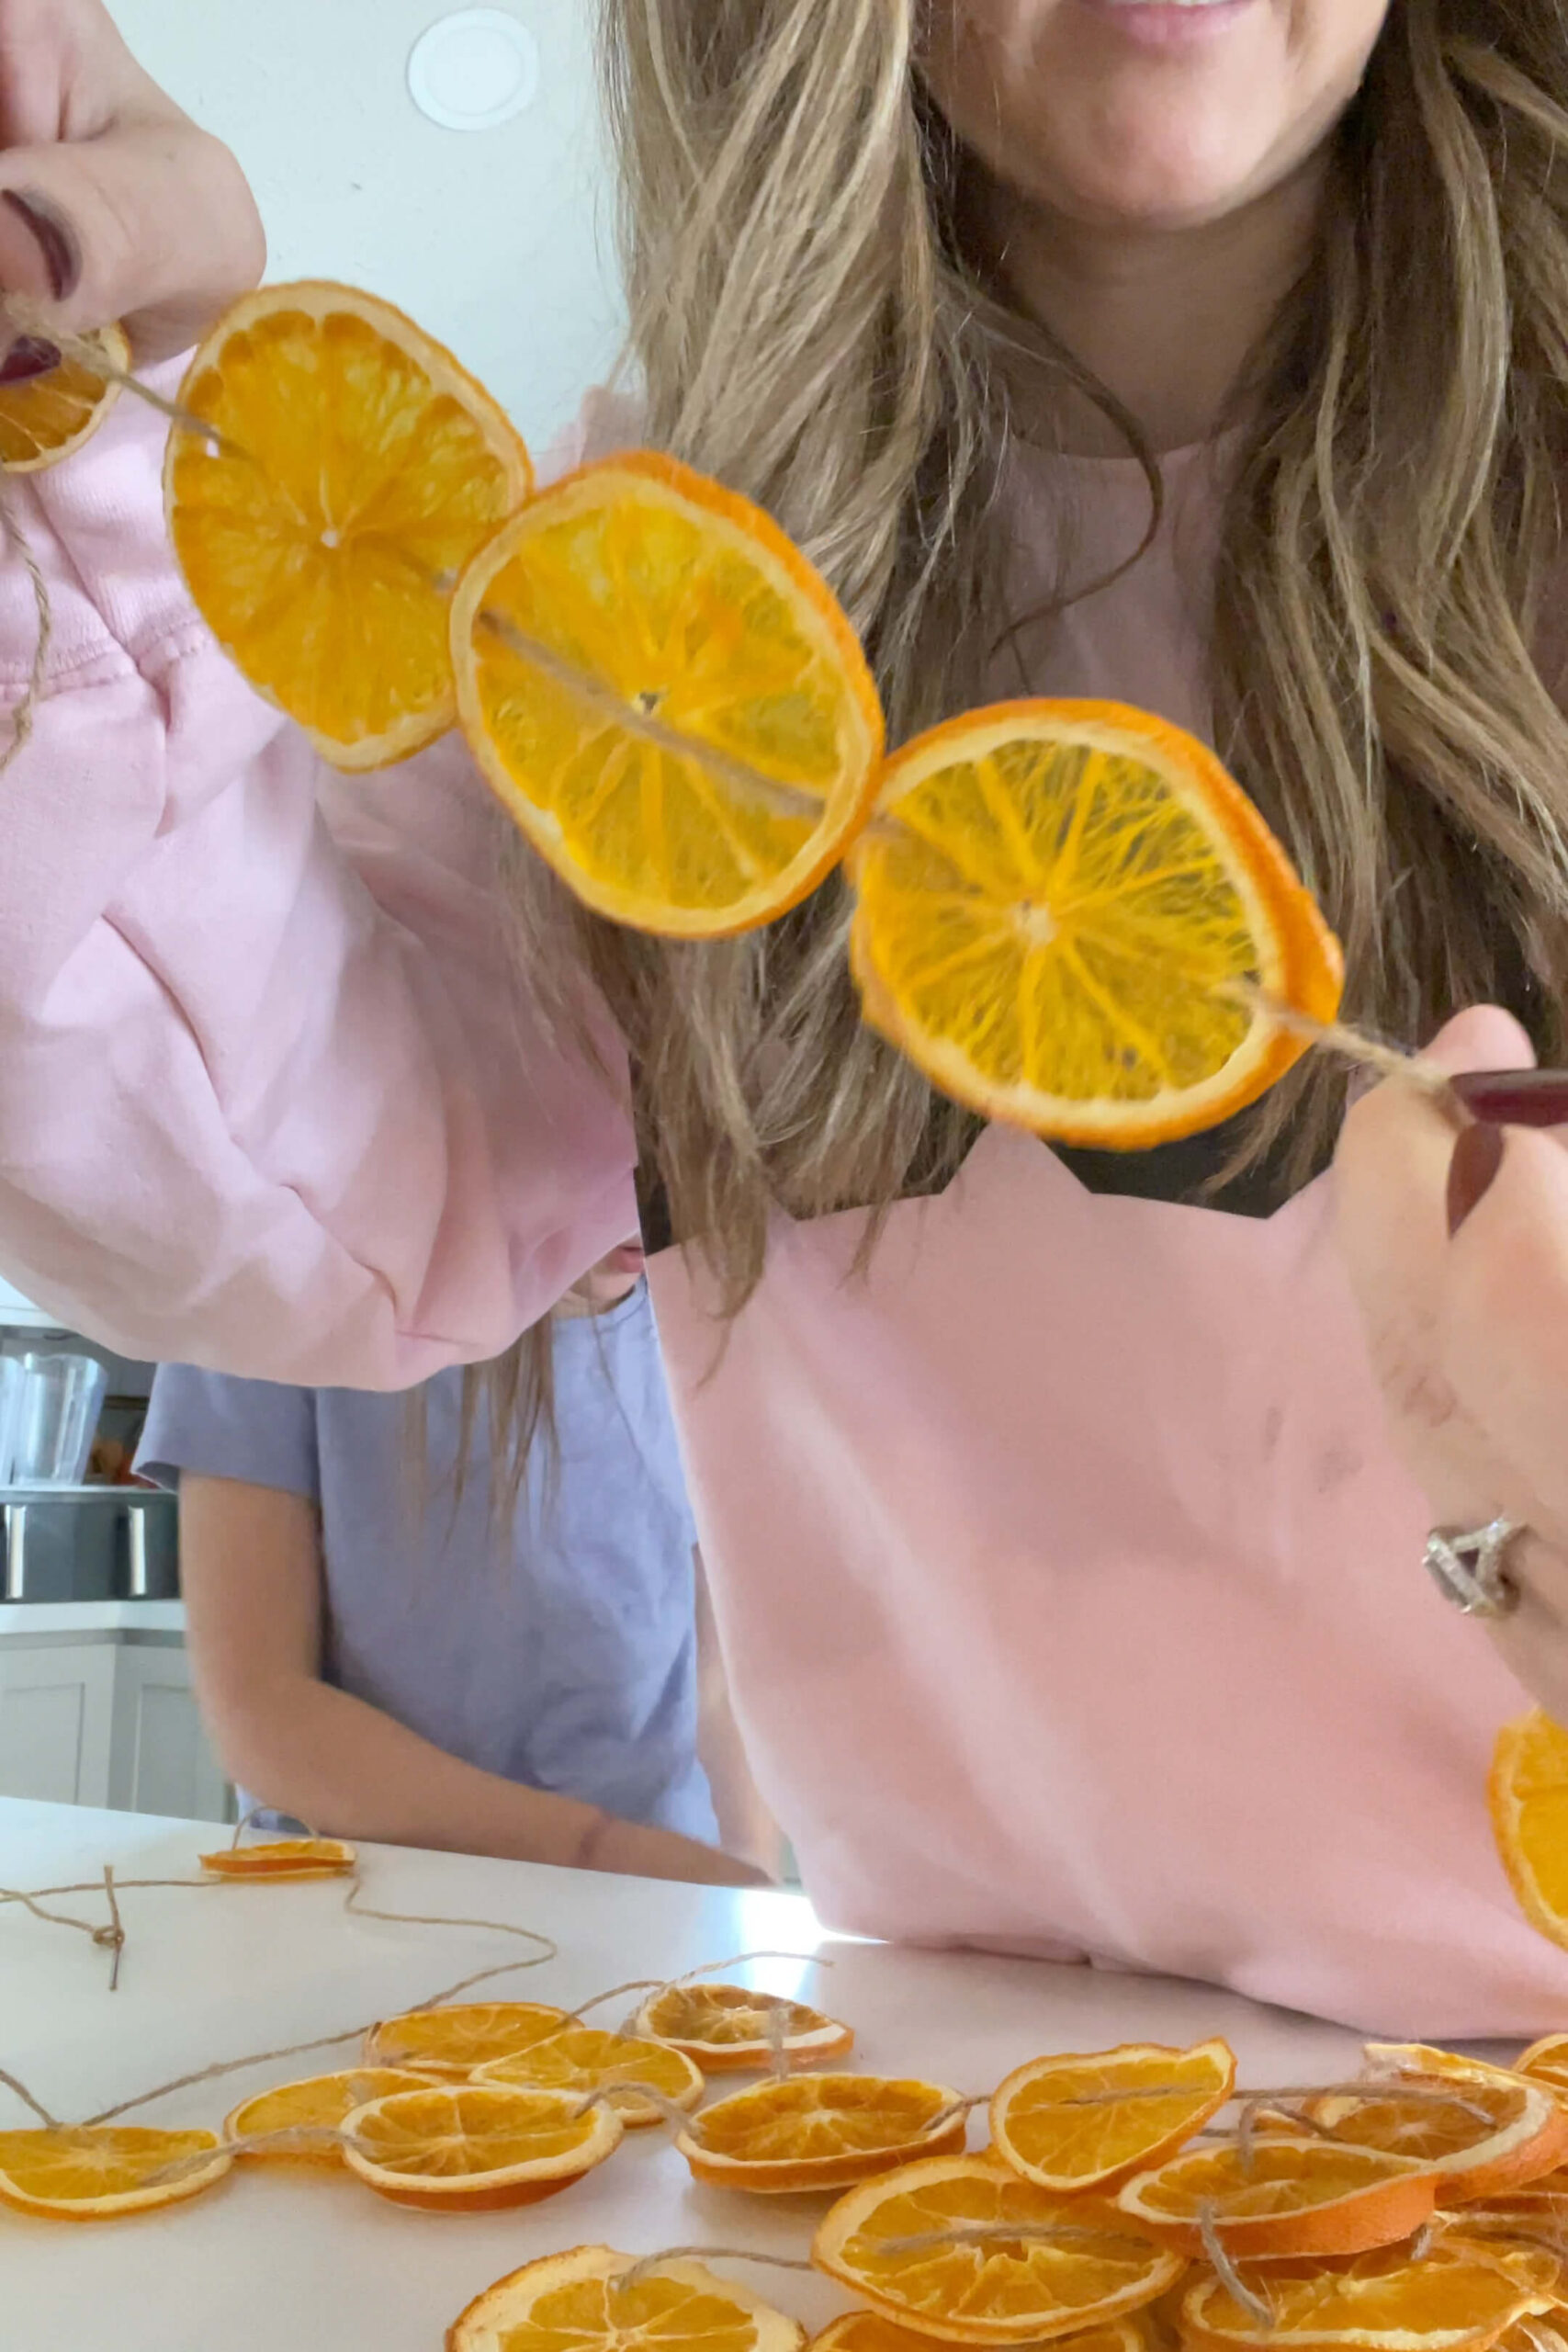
{"x": 496, "y": 236}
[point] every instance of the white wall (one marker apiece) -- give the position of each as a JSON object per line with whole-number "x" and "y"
{"x": 497, "y": 242}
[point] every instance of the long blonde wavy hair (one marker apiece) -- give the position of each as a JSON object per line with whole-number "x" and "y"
{"x": 808, "y": 325}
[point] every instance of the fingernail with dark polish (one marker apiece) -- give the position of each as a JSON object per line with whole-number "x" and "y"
{"x": 1517, "y": 1097}
{"x": 56, "y": 240}
{"x": 28, "y": 357}
{"x": 1478, "y": 1155}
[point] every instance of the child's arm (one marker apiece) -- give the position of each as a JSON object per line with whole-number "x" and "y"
{"x": 251, "y": 1573}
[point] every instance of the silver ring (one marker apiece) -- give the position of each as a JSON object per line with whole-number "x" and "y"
{"x": 1466, "y": 1565}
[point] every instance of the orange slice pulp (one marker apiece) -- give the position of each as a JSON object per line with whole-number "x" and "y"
{"x": 350, "y": 469}
{"x": 1071, "y": 919}
{"x": 666, "y": 698}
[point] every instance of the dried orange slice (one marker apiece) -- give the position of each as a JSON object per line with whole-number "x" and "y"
{"x": 1453, "y": 2297}
{"x": 93, "y": 2172}
{"x": 820, "y": 2131}
{"x": 476, "y": 2147}
{"x": 283, "y": 1858}
{"x": 47, "y": 413}
{"x": 726, "y": 2028}
{"x": 585, "y": 2058}
{"x": 1546, "y": 2061}
{"x": 317, "y": 2104}
{"x": 1496, "y": 2132}
{"x": 1052, "y": 907}
{"x": 1529, "y": 1795}
{"x": 574, "y": 2302}
{"x": 353, "y": 470}
{"x": 1092, "y": 2122}
{"x": 1282, "y": 2196}
{"x": 869, "y": 2332}
{"x": 666, "y": 698}
{"x": 1074, "y": 2264}
{"x": 449, "y": 2044}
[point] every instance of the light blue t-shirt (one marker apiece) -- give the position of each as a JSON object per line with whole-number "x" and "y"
{"x": 565, "y": 1660}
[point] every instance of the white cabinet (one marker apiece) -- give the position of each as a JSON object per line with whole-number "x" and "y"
{"x": 18, "y": 1313}
{"x": 56, "y": 1716}
{"x": 159, "y": 1758}
{"x": 106, "y": 1716}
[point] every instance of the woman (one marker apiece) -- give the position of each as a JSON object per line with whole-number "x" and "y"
{"x": 1207, "y": 356}
{"x": 394, "y": 1636}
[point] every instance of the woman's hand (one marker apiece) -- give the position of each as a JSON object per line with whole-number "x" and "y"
{"x": 113, "y": 204}
{"x": 1468, "y": 1330}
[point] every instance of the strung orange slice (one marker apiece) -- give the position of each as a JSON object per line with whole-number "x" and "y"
{"x": 1528, "y": 1796}
{"x": 869, "y": 2332}
{"x": 449, "y": 2044}
{"x": 725, "y": 2026}
{"x": 584, "y": 2058}
{"x": 1282, "y": 2196}
{"x": 820, "y": 2131}
{"x": 1496, "y": 2132}
{"x": 316, "y": 2105}
{"x": 352, "y": 470}
{"x": 1092, "y": 2122}
{"x": 1062, "y": 913}
{"x": 931, "y": 2246}
{"x": 1546, "y": 2061}
{"x": 49, "y": 412}
{"x": 666, "y": 698}
{"x": 577, "y": 2303}
{"x": 476, "y": 2147}
{"x": 1454, "y": 2298}
{"x": 283, "y": 1858}
{"x": 94, "y": 2172}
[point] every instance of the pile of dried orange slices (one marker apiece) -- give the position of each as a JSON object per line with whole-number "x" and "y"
{"x": 1420, "y": 2209}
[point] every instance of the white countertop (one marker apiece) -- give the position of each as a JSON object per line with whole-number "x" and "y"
{"x": 269, "y": 2264}
{"x": 91, "y": 1617}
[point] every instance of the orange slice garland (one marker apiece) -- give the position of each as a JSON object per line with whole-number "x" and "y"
{"x": 1528, "y": 1792}
{"x": 1497, "y": 2132}
{"x": 1281, "y": 2195}
{"x": 1453, "y": 2299}
{"x": 49, "y": 414}
{"x": 585, "y": 2058}
{"x": 317, "y": 2104}
{"x": 98, "y": 2172}
{"x": 725, "y": 2026}
{"x": 450, "y": 2042}
{"x": 666, "y": 699}
{"x": 1546, "y": 2061}
{"x": 282, "y": 1857}
{"x": 1066, "y": 918}
{"x": 1074, "y": 2263}
{"x": 476, "y": 2147}
{"x": 869, "y": 2332}
{"x": 576, "y": 2302}
{"x": 815, "y": 2132}
{"x": 352, "y": 469}
{"x": 1078, "y": 2123}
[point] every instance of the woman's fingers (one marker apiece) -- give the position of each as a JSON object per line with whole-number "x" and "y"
{"x": 151, "y": 223}
{"x": 113, "y": 203}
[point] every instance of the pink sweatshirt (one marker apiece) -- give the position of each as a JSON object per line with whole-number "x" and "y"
{"x": 1070, "y": 1595}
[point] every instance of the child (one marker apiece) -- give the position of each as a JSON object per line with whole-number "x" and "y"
{"x": 388, "y": 1644}
{"x": 1070, "y": 1587}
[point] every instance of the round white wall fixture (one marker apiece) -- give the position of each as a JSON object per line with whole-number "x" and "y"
{"x": 474, "y": 69}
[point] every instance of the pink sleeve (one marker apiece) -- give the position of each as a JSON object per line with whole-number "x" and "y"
{"x": 270, "y": 1100}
